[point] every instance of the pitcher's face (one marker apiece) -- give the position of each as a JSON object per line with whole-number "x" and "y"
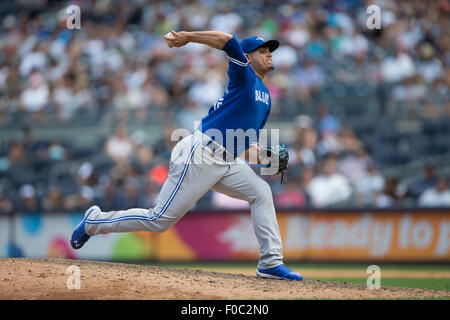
{"x": 261, "y": 60}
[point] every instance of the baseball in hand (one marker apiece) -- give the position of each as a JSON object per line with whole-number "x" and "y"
{"x": 176, "y": 39}
{"x": 169, "y": 35}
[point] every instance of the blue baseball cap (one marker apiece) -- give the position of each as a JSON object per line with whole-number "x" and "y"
{"x": 252, "y": 43}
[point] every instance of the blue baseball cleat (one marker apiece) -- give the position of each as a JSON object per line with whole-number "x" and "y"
{"x": 281, "y": 273}
{"x": 79, "y": 235}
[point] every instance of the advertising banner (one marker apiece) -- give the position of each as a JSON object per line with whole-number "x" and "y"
{"x": 380, "y": 236}
{"x": 228, "y": 236}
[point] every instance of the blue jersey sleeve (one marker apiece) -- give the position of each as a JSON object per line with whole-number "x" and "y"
{"x": 237, "y": 66}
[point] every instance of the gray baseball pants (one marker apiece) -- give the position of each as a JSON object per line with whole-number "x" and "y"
{"x": 197, "y": 165}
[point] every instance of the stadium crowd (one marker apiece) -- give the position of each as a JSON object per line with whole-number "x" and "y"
{"x": 117, "y": 70}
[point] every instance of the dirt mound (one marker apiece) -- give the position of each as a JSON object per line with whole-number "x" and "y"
{"x": 48, "y": 279}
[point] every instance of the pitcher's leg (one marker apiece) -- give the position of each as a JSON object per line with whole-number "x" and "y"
{"x": 186, "y": 184}
{"x": 243, "y": 183}
{"x": 135, "y": 219}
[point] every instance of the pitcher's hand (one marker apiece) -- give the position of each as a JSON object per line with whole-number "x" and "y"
{"x": 176, "y": 39}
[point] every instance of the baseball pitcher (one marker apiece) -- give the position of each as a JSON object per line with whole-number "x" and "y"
{"x": 210, "y": 158}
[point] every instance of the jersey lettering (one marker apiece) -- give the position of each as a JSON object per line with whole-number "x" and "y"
{"x": 218, "y": 104}
{"x": 262, "y": 96}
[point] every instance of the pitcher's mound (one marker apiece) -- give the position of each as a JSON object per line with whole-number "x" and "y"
{"x": 50, "y": 279}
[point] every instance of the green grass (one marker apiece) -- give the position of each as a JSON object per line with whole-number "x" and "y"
{"x": 432, "y": 284}
{"x": 299, "y": 266}
{"x": 383, "y": 266}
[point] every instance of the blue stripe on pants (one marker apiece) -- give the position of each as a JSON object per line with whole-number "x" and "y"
{"x": 166, "y": 205}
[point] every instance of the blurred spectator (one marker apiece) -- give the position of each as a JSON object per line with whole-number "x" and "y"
{"x": 86, "y": 175}
{"x": 329, "y": 143}
{"x": 354, "y": 164}
{"x": 34, "y": 149}
{"x": 305, "y": 142}
{"x": 64, "y": 100}
{"x": 36, "y": 96}
{"x": 409, "y": 96}
{"x": 397, "y": 68}
{"x": 348, "y": 140}
{"x": 369, "y": 186}
{"x": 190, "y": 114}
{"x": 307, "y": 174}
{"x": 355, "y": 45}
{"x": 132, "y": 197}
{"x": 226, "y": 20}
{"x": 308, "y": 79}
{"x": 119, "y": 146}
{"x": 29, "y": 199}
{"x": 395, "y": 194}
{"x": 32, "y": 57}
{"x": 53, "y": 200}
{"x": 437, "y": 99}
{"x": 285, "y": 57}
{"x": 328, "y": 123}
{"x": 429, "y": 66}
{"x": 151, "y": 195}
{"x": 6, "y": 206}
{"x": 165, "y": 144}
{"x": 107, "y": 198}
{"x": 57, "y": 152}
{"x": 428, "y": 180}
{"x": 328, "y": 129}
{"x": 143, "y": 155}
{"x": 81, "y": 200}
{"x": 130, "y": 98}
{"x": 292, "y": 196}
{"x": 330, "y": 188}
{"x": 18, "y": 165}
{"x": 436, "y": 196}
{"x": 388, "y": 196}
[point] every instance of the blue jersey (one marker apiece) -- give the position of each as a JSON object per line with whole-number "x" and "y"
{"x": 245, "y": 104}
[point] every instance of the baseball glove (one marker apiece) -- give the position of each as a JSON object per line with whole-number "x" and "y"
{"x": 276, "y": 156}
